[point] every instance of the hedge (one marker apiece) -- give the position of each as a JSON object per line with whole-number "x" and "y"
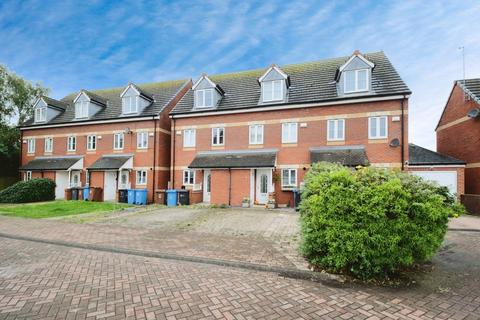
{"x": 371, "y": 222}
{"x": 29, "y": 191}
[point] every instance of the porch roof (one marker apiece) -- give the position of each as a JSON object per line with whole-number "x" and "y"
{"x": 50, "y": 163}
{"x": 235, "y": 159}
{"x": 350, "y": 156}
{"x": 110, "y": 162}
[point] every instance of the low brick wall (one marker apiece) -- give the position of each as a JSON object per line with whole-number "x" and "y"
{"x": 471, "y": 203}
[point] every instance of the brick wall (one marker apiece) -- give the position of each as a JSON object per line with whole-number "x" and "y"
{"x": 459, "y": 136}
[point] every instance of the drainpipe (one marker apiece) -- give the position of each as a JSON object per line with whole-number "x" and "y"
{"x": 172, "y": 173}
{"x": 403, "y": 134}
{"x": 154, "y": 154}
{"x": 21, "y": 153}
{"x": 229, "y": 186}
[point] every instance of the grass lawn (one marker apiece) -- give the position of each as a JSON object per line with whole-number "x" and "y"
{"x": 58, "y": 208}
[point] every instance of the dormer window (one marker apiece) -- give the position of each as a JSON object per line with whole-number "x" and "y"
{"x": 41, "y": 114}
{"x": 130, "y": 104}
{"x": 204, "y": 98}
{"x": 81, "y": 109}
{"x": 272, "y": 90}
{"x": 356, "y": 80}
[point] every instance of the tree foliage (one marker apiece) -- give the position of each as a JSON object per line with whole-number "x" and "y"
{"x": 371, "y": 222}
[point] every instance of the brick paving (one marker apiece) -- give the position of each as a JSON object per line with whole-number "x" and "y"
{"x": 40, "y": 281}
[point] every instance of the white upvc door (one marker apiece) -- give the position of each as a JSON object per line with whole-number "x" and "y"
{"x": 263, "y": 185}
{"x": 207, "y": 185}
{"x": 62, "y": 183}
{"x": 75, "y": 179}
{"x": 110, "y": 186}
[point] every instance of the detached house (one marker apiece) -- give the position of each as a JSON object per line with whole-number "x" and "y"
{"x": 251, "y": 135}
{"x": 111, "y": 139}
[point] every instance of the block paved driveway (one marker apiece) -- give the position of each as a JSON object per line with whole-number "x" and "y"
{"x": 47, "y": 281}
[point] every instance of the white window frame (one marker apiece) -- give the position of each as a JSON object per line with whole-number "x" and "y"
{"x": 189, "y": 138}
{"x": 142, "y": 140}
{"x": 31, "y": 145}
{"x": 41, "y": 114}
{"x": 337, "y": 135}
{"x": 188, "y": 177}
{"x": 257, "y": 131}
{"x": 27, "y": 176}
{"x": 216, "y": 133}
{"x": 48, "y": 146}
{"x": 117, "y": 138}
{"x": 69, "y": 143}
{"x": 127, "y": 107}
{"x": 141, "y": 177}
{"x": 81, "y": 109}
{"x": 377, "y": 130}
{"x": 357, "y": 89}
{"x": 201, "y": 102}
{"x": 272, "y": 97}
{"x": 288, "y": 185}
{"x": 91, "y": 142}
{"x": 287, "y": 132}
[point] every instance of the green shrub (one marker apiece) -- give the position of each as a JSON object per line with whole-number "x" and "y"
{"x": 29, "y": 191}
{"x": 371, "y": 222}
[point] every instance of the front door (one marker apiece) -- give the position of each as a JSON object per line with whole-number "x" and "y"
{"x": 264, "y": 182}
{"x": 61, "y": 180}
{"x": 207, "y": 185}
{"x": 75, "y": 179}
{"x": 110, "y": 186}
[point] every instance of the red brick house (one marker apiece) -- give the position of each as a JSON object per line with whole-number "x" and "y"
{"x": 252, "y": 135}
{"x": 458, "y": 131}
{"x": 111, "y": 139}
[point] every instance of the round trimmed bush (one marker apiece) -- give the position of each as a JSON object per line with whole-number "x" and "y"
{"x": 29, "y": 191}
{"x": 371, "y": 222}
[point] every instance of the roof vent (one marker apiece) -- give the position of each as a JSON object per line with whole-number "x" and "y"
{"x": 474, "y": 113}
{"x": 395, "y": 143}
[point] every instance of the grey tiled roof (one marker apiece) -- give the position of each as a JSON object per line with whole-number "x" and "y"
{"x": 109, "y": 162}
{"x": 350, "y": 156}
{"x": 50, "y": 163}
{"x": 55, "y": 103}
{"x": 162, "y": 93}
{"x": 310, "y": 82}
{"x": 420, "y": 156}
{"x": 235, "y": 159}
{"x": 471, "y": 87}
{"x": 96, "y": 97}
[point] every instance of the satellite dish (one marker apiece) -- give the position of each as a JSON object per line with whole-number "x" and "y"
{"x": 474, "y": 113}
{"x": 395, "y": 143}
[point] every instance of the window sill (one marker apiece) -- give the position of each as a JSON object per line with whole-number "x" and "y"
{"x": 336, "y": 143}
{"x": 118, "y": 150}
{"x": 142, "y": 150}
{"x": 71, "y": 152}
{"x": 218, "y": 147}
{"x": 377, "y": 140}
{"x": 289, "y": 188}
{"x": 289, "y": 144}
{"x": 255, "y": 146}
{"x": 30, "y": 154}
{"x": 188, "y": 149}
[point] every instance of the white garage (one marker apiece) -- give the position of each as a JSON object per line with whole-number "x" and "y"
{"x": 444, "y": 178}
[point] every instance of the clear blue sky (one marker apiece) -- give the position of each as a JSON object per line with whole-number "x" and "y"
{"x": 71, "y": 45}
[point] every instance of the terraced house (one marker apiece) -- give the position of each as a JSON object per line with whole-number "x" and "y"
{"x": 250, "y": 137}
{"x": 111, "y": 139}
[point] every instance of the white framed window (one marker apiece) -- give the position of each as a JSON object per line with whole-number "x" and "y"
{"x": 141, "y": 177}
{"x": 336, "y": 130}
{"x": 289, "y": 132}
{"x": 91, "y": 142}
{"x": 27, "y": 176}
{"x": 31, "y": 145}
{"x": 189, "y": 136}
{"x": 378, "y": 127}
{"x": 48, "y": 144}
{"x": 289, "y": 178}
{"x": 142, "y": 140}
{"x": 81, "y": 109}
{"x": 272, "y": 90}
{"x": 118, "y": 141}
{"x": 356, "y": 80}
{"x": 256, "y": 134}
{"x": 41, "y": 114}
{"x": 71, "y": 143}
{"x": 188, "y": 177}
{"x": 218, "y": 136}
{"x": 204, "y": 98}
{"x": 130, "y": 104}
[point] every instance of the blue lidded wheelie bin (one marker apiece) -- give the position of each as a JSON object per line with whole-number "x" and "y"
{"x": 86, "y": 192}
{"x": 141, "y": 196}
{"x": 131, "y": 196}
{"x": 171, "y": 197}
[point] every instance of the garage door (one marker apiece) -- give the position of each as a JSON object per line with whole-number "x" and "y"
{"x": 443, "y": 178}
{"x": 61, "y": 179}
